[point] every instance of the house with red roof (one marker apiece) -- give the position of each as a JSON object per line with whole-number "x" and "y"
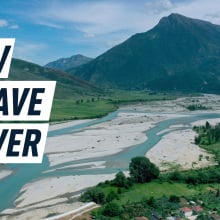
{"x": 197, "y": 208}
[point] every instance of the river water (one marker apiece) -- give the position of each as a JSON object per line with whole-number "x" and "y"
{"x": 24, "y": 173}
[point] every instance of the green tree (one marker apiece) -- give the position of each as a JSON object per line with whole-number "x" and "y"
{"x": 120, "y": 180}
{"x": 152, "y": 202}
{"x": 174, "y": 199}
{"x": 94, "y": 194}
{"x": 111, "y": 196}
{"x": 207, "y": 125}
{"x": 175, "y": 175}
{"x": 112, "y": 209}
{"x": 202, "y": 217}
{"x": 142, "y": 170}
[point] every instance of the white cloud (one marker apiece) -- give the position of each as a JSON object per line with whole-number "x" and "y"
{"x": 93, "y": 17}
{"x": 14, "y": 26}
{"x": 159, "y": 6}
{"x": 201, "y": 9}
{"x": 92, "y": 26}
{"x": 104, "y": 17}
{"x": 3, "y": 23}
{"x": 28, "y": 50}
{"x": 105, "y": 23}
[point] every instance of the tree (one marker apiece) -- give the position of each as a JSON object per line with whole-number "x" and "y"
{"x": 202, "y": 217}
{"x": 174, "y": 199}
{"x": 120, "y": 180}
{"x": 176, "y": 175}
{"x": 152, "y": 202}
{"x": 207, "y": 125}
{"x": 142, "y": 170}
{"x": 94, "y": 194}
{"x": 111, "y": 196}
{"x": 112, "y": 209}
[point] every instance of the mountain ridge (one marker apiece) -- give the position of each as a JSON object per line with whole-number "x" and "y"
{"x": 176, "y": 50}
{"x": 68, "y": 62}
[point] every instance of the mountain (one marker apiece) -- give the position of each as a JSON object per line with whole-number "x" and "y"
{"x": 178, "y": 54}
{"x": 70, "y": 62}
{"x": 67, "y": 86}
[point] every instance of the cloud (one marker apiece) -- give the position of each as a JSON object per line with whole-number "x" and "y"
{"x": 92, "y": 26}
{"x": 200, "y": 9}
{"x": 159, "y": 6}
{"x": 14, "y": 26}
{"x": 3, "y": 23}
{"x": 28, "y": 50}
{"x": 92, "y": 17}
{"x": 97, "y": 17}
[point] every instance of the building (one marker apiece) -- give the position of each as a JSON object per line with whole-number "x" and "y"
{"x": 141, "y": 218}
{"x": 197, "y": 208}
{"x": 215, "y": 217}
{"x": 186, "y": 211}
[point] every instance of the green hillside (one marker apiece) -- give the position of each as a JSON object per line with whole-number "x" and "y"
{"x": 69, "y": 90}
{"x": 66, "y": 85}
{"x": 76, "y": 98}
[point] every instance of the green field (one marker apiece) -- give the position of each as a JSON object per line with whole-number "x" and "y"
{"x": 81, "y": 107}
{"x": 67, "y": 109}
{"x": 138, "y": 192}
{"x": 158, "y": 190}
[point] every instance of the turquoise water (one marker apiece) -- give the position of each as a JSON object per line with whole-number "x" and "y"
{"x": 24, "y": 173}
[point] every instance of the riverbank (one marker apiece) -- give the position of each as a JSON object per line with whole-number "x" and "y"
{"x": 4, "y": 173}
{"x": 177, "y": 150}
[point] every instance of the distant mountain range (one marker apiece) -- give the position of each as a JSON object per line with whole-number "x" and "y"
{"x": 70, "y": 62}
{"x": 178, "y": 54}
{"x": 67, "y": 85}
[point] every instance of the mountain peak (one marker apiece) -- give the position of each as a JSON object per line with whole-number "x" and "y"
{"x": 179, "y": 54}
{"x": 176, "y": 16}
{"x": 75, "y": 56}
{"x": 174, "y": 19}
{"x": 69, "y": 62}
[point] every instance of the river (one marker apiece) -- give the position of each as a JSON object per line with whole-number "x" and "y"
{"x": 25, "y": 173}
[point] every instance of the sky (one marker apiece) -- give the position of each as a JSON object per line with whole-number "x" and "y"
{"x": 46, "y": 30}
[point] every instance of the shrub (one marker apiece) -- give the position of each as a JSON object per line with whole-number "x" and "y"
{"x": 112, "y": 209}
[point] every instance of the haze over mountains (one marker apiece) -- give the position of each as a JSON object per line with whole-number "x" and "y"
{"x": 70, "y": 62}
{"x": 67, "y": 85}
{"x": 178, "y": 54}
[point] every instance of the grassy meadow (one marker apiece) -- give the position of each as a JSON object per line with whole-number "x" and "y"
{"x": 81, "y": 107}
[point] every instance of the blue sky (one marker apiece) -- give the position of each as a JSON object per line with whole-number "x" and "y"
{"x": 46, "y": 30}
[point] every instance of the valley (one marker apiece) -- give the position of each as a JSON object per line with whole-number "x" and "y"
{"x": 144, "y": 97}
{"x": 80, "y": 154}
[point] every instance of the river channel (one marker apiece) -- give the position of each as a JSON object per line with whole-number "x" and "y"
{"x": 25, "y": 173}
